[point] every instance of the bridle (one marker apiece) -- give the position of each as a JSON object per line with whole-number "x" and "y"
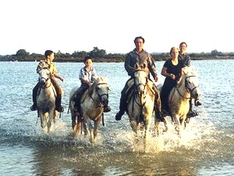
{"x": 190, "y": 90}
{"x": 43, "y": 84}
{"x": 140, "y": 95}
{"x": 98, "y": 103}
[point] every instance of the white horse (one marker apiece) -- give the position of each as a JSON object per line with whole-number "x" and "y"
{"x": 46, "y": 99}
{"x": 92, "y": 106}
{"x": 187, "y": 87}
{"x": 140, "y": 105}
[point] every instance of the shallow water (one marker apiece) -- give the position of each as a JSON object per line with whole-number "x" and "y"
{"x": 205, "y": 148}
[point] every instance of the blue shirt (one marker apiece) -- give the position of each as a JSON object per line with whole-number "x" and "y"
{"x": 89, "y": 75}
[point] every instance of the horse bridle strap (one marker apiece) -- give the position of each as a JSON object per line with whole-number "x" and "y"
{"x": 43, "y": 86}
{"x": 181, "y": 94}
{"x": 190, "y": 90}
{"x": 99, "y": 104}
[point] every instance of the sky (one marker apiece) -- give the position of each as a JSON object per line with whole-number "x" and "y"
{"x": 112, "y": 25}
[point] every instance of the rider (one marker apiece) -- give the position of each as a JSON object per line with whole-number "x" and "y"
{"x": 87, "y": 76}
{"x": 48, "y": 63}
{"x": 140, "y": 56}
{"x": 172, "y": 71}
{"x": 185, "y": 58}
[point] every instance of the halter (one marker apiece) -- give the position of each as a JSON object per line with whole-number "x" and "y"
{"x": 140, "y": 95}
{"x": 99, "y": 104}
{"x": 44, "y": 86}
{"x": 187, "y": 88}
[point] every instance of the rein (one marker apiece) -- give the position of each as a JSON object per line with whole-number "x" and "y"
{"x": 186, "y": 86}
{"x": 99, "y": 104}
{"x": 140, "y": 95}
{"x": 44, "y": 86}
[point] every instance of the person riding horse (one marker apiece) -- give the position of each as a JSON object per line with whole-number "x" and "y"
{"x": 48, "y": 63}
{"x": 186, "y": 60}
{"x": 138, "y": 56}
{"x": 172, "y": 71}
{"x": 87, "y": 76}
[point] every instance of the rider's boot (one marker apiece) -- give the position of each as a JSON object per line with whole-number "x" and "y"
{"x": 122, "y": 107}
{"x": 33, "y": 107}
{"x": 58, "y": 107}
{"x": 191, "y": 113}
{"x": 34, "y": 97}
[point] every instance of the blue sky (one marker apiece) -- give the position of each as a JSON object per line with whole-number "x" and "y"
{"x": 80, "y": 25}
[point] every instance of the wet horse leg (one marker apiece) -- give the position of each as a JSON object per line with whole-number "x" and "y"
{"x": 177, "y": 123}
{"x": 91, "y": 130}
{"x": 96, "y": 124}
{"x": 50, "y": 120}
{"x": 42, "y": 119}
{"x": 156, "y": 126}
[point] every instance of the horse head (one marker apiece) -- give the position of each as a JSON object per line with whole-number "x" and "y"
{"x": 44, "y": 76}
{"x": 141, "y": 78}
{"x": 101, "y": 88}
{"x": 191, "y": 82}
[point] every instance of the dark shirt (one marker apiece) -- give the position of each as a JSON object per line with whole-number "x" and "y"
{"x": 169, "y": 83}
{"x": 141, "y": 58}
{"x": 173, "y": 69}
{"x": 185, "y": 59}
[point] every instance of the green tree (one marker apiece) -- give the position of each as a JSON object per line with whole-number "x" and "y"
{"x": 97, "y": 53}
{"x": 22, "y": 53}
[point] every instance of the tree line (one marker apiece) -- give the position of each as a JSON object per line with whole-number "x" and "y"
{"x": 100, "y": 55}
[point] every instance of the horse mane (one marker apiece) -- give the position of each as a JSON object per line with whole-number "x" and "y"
{"x": 186, "y": 71}
{"x": 141, "y": 67}
{"x": 96, "y": 81}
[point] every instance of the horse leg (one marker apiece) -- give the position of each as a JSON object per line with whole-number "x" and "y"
{"x": 157, "y": 123}
{"x": 55, "y": 116}
{"x": 73, "y": 118}
{"x": 84, "y": 125}
{"x": 146, "y": 135}
{"x": 79, "y": 123}
{"x": 147, "y": 124}
{"x": 91, "y": 131}
{"x": 134, "y": 126}
{"x": 42, "y": 118}
{"x": 182, "y": 122}
{"x": 96, "y": 124}
{"x": 177, "y": 123}
{"x": 156, "y": 127}
{"x": 49, "y": 123}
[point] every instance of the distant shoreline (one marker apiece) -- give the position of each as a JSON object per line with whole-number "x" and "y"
{"x": 106, "y": 60}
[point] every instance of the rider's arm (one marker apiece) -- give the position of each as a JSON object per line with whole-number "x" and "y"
{"x": 152, "y": 67}
{"x": 127, "y": 65}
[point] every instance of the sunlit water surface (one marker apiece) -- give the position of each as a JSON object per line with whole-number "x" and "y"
{"x": 205, "y": 148}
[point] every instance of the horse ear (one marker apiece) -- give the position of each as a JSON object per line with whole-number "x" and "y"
{"x": 185, "y": 70}
{"x": 136, "y": 65}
